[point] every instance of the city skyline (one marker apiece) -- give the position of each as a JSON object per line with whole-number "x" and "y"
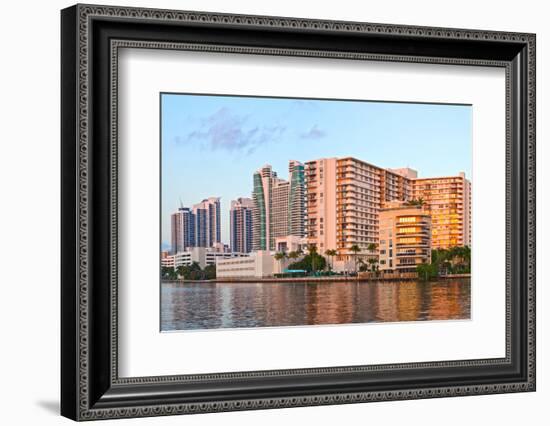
{"x": 238, "y": 135}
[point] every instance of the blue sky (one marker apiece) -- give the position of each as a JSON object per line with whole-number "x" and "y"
{"x": 211, "y": 145}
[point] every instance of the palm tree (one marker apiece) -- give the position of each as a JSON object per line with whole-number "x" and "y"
{"x": 293, "y": 255}
{"x": 372, "y": 247}
{"x": 372, "y": 263}
{"x": 467, "y": 253}
{"x": 312, "y": 252}
{"x": 416, "y": 202}
{"x": 355, "y": 249}
{"x": 279, "y": 256}
{"x": 169, "y": 273}
{"x": 331, "y": 253}
{"x": 182, "y": 271}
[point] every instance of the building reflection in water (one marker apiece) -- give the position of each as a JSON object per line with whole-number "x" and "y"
{"x": 237, "y": 305}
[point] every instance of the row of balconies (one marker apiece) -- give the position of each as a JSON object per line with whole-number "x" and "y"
{"x": 407, "y": 224}
{"x": 415, "y": 234}
{"x": 421, "y": 253}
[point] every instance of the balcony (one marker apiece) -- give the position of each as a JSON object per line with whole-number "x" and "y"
{"x": 421, "y": 244}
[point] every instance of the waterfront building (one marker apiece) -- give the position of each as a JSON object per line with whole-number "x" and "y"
{"x": 240, "y": 225}
{"x": 405, "y": 237}
{"x": 296, "y": 199}
{"x": 221, "y": 248}
{"x": 166, "y": 260}
{"x": 344, "y": 197}
{"x": 279, "y": 218}
{"x": 321, "y": 203}
{"x": 207, "y": 215}
{"x": 448, "y": 201}
{"x": 278, "y": 206}
{"x": 196, "y": 227}
{"x": 261, "y": 196}
{"x": 290, "y": 243}
{"x": 259, "y": 264}
{"x": 202, "y": 255}
{"x": 182, "y": 230}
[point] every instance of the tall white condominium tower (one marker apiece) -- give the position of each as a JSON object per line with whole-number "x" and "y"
{"x": 278, "y": 206}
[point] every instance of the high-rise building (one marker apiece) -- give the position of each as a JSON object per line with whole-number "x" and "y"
{"x": 448, "y": 200}
{"x": 278, "y": 206}
{"x": 404, "y": 237}
{"x": 296, "y": 199}
{"x": 321, "y": 204}
{"x": 344, "y": 196}
{"x": 182, "y": 230}
{"x": 261, "y": 197}
{"x": 207, "y": 215}
{"x": 240, "y": 224}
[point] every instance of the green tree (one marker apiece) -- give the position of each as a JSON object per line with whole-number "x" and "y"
{"x": 311, "y": 262}
{"x": 190, "y": 272}
{"x": 415, "y": 202}
{"x": 426, "y": 271}
{"x": 330, "y": 253}
{"x": 209, "y": 272}
{"x": 181, "y": 271}
{"x": 355, "y": 249}
{"x": 363, "y": 267}
{"x": 373, "y": 262}
{"x": 459, "y": 259}
{"x": 294, "y": 255}
{"x": 312, "y": 249}
{"x": 168, "y": 273}
{"x": 372, "y": 247}
{"x": 279, "y": 256}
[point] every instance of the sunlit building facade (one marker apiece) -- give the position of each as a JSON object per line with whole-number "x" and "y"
{"x": 405, "y": 234}
{"x": 448, "y": 201}
{"x": 344, "y": 197}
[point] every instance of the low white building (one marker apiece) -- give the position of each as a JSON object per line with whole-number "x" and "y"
{"x": 202, "y": 255}
{"x": 166, "y": 260}
{"x": 290, "y": 243}
{"x": 258, "y": 264}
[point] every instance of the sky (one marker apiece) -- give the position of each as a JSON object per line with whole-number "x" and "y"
{"x": 212, "y": 145}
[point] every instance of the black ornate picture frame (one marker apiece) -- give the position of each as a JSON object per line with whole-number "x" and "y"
{"x": 91, "y": 36}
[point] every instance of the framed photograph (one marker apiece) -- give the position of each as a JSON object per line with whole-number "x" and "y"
{"x": 263, "y": 212}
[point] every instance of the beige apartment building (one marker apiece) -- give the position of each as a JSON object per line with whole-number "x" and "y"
{"x": 448, "y": 200}
{"x": 404, "y": 237}
{"x": 344, "y": 197}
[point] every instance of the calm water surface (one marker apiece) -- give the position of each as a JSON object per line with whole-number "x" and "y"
{"x": 192, "y": 306}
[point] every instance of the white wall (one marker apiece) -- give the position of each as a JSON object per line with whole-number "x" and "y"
{"x": 29, "y": 194}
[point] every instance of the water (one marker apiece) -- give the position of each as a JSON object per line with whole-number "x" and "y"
{"x": 192, "y": 306}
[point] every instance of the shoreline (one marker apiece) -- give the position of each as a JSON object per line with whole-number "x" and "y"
{"x": 308, "y": 279}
